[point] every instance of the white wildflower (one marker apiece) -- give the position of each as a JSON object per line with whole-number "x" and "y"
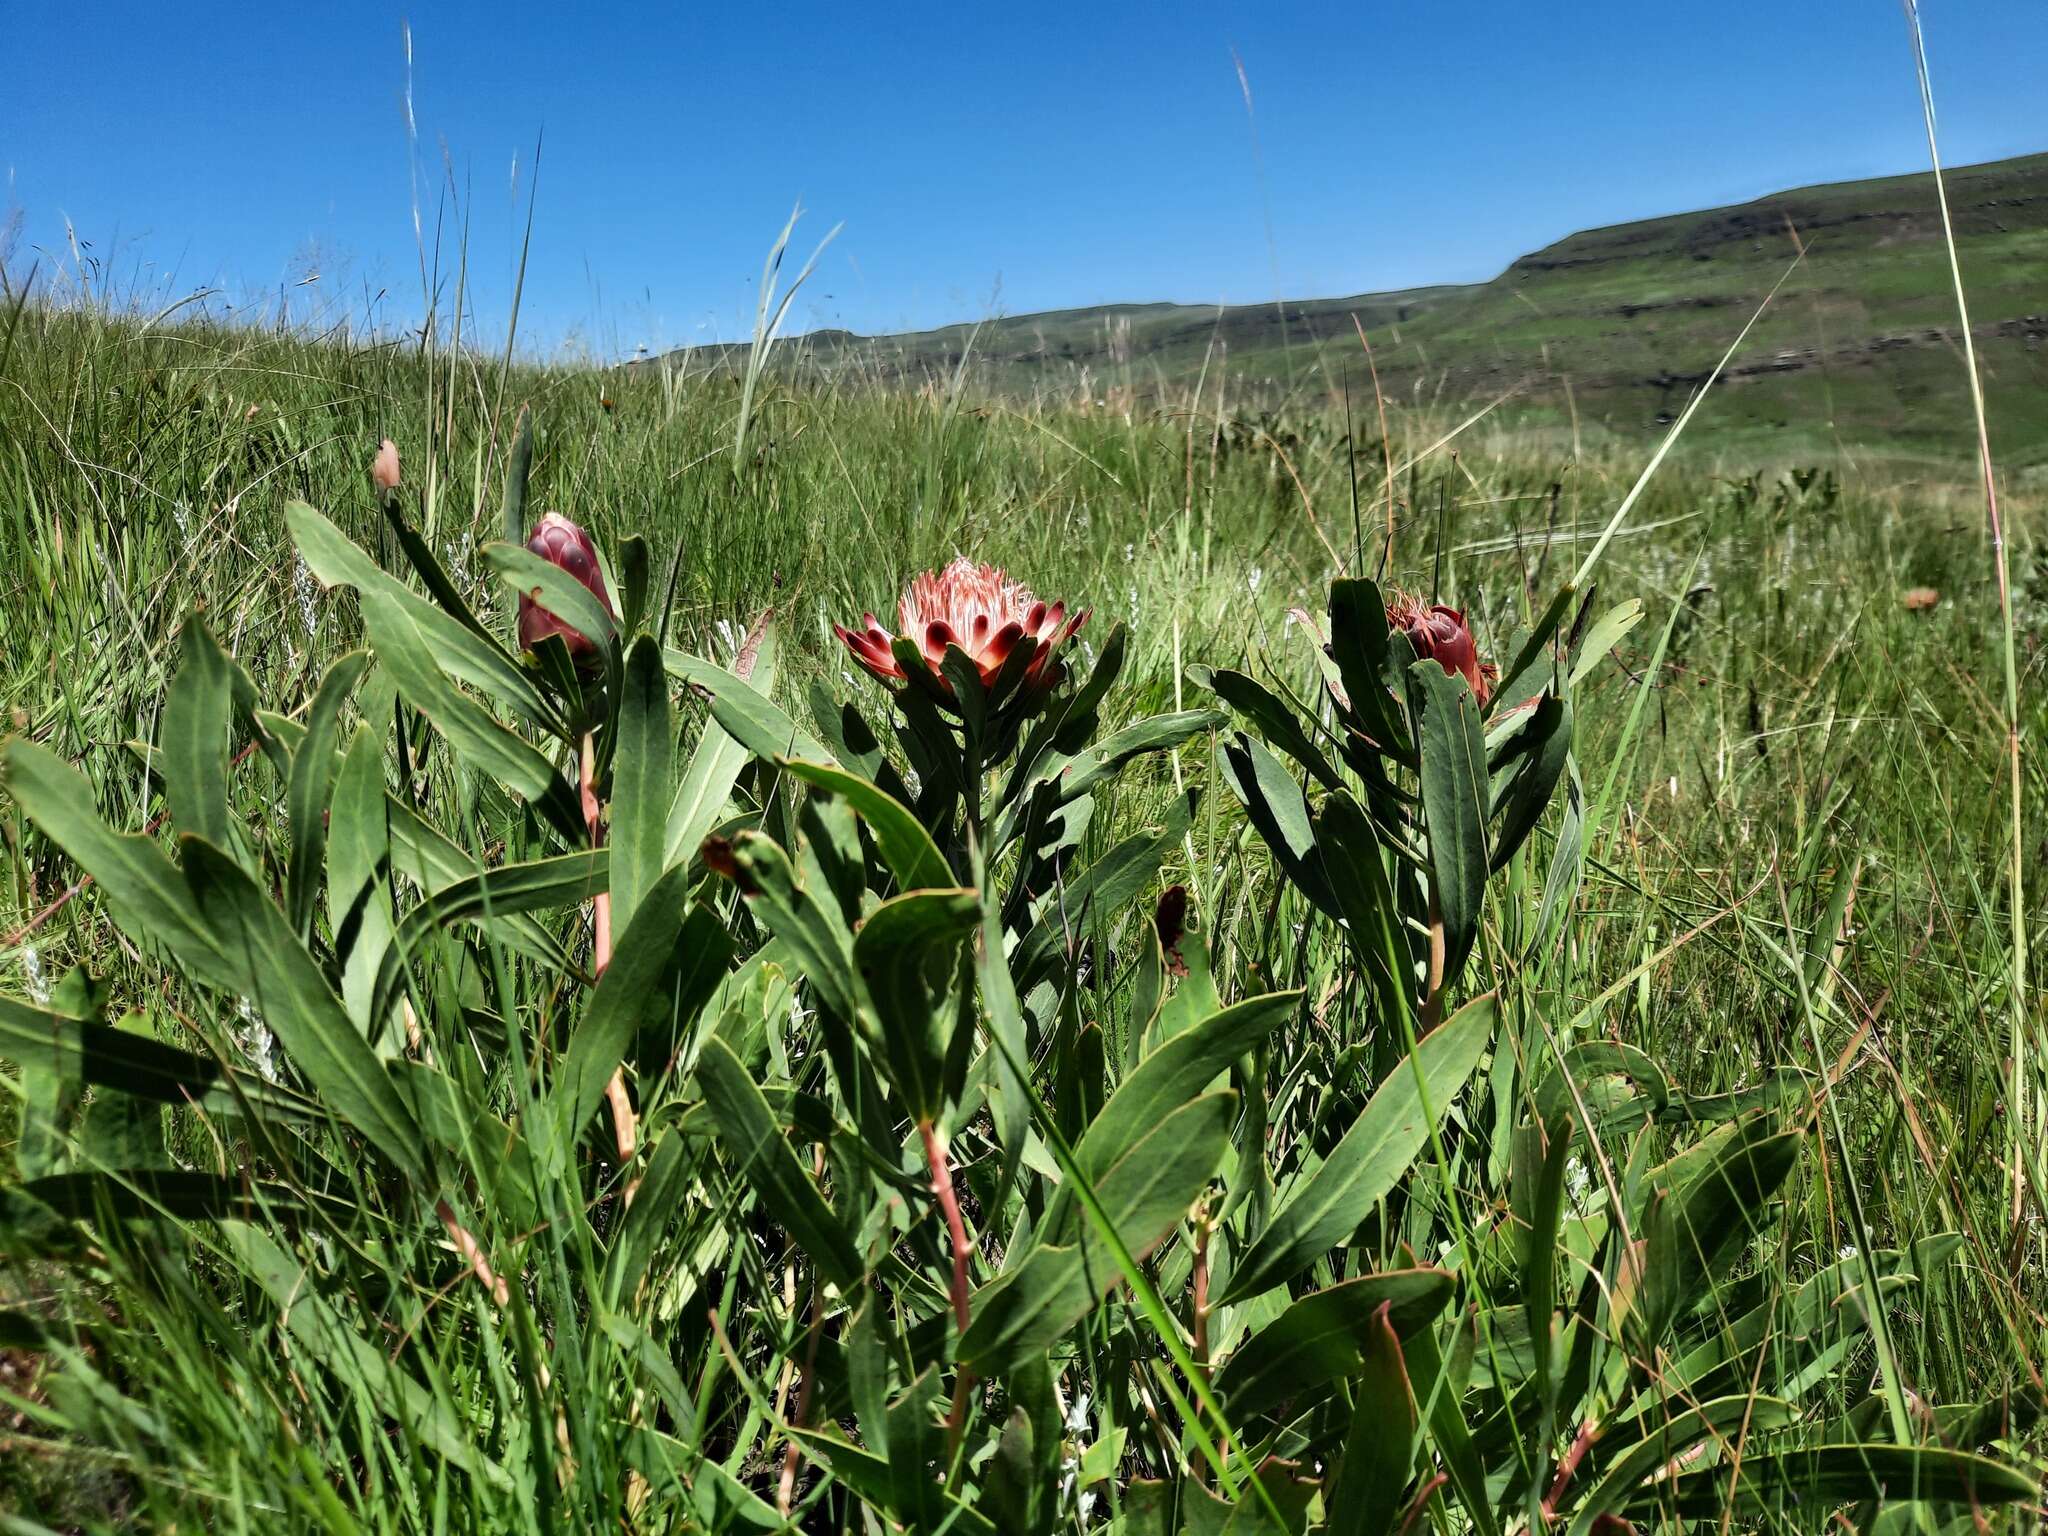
{"x": 303, "y": 587}
{"x": 257, "y": 1042}
{"x": 32, "y": 972}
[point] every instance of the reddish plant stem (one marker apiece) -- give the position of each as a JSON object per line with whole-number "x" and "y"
{"x": 1582, "y": 1442}
{"x": 949, "y": 1206}
{"x": 625, "y": 1126}
{"x": 1201, "y": 1319}
{"x": 1421, "y": 1502}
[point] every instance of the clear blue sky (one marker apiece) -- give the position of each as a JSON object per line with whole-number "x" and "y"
{"x": 982, "y": 158}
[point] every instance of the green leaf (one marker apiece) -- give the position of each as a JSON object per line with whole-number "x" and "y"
{"x": 816, "y": 936}
{"x": 748, "y": 715}
{"x": 1276, "y": 720}
{"x": 1277, "y": 1505}
{"x": 641, "y": 791}
{"x": 1156, "y": 733}
{"x": 627, "y": 996}
{"x": 907, "y": 953}
{"x": 489, "y": 896}
{"x": 142, "y": 1194}
{"x": 311, "y": 784}
{"x": 1175, "y": 1073}
{"x": 1358, "y": 644}
{"x": 1696, "y": 1225}
{"x": 553, "y": 589}
{"x": 518, "y": 467}
{"x": 1549, "y": 746}
{"x": 1168, "y": 1078}
{"x": 149, "y": 899}
{"x": 1328, "y": 1334}
{"x": 359, "y": 858}
{"x": 1818, "y": 1478}
{"x": 279, "y": 978}
{"x": 404, "y": 651}
{"x": 1279, "y": 810}
{"x": 1607, "y": 632}
{"x": 716, "y": 764}
{"x": 1103, "y": 890}
{"x": 763, "y": 1161}
{"x": 1379, "y": 1449}
{"x": 1454, "y": 803}
{"x": 873, "y": 1480}
{"x": 1508, "y": 690}
{"x": 1354, "y": 867}
{"x": 1724, "y": 1419}
{"x": 198, "y": 711}
{"x": 1010, "y": 1104}
{"x": 135, "y": 1064}
{"x": 1328, "y": 1206}
{"x": 1144, "y": 1196}
{"x": 461, "y": 652}
{"x": 906, "y": 847}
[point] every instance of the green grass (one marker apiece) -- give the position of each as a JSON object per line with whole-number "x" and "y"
{"x": 1779, "y": 736}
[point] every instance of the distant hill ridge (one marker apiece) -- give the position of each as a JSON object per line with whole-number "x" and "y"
{"x": 1605, "y": 332}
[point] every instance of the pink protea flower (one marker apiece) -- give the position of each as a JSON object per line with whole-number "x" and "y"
{"x": 979, "y": 609}
{"x": 560, "y": 542}
{"x": 383, "y": 468}
{"x": 1441, "y": 634}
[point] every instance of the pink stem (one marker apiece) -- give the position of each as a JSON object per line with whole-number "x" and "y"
{"x": 625, "y": 1126}
{"x": 949, "y": 1205}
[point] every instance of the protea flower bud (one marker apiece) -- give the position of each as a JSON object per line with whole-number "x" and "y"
{"x": 1441, "y": 634}
{"x": 562, "y": 543}
{"x": 979, "y": 609}
{"x": 384, "y": 467}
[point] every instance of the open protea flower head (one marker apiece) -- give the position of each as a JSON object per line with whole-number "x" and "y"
{"x": 979, "y": 609}
{"x": 1442, "y": 635}
{"x": 560, "y": 542}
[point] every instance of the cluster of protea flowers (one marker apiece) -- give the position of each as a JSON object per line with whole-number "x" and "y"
{"x": 1009, "y": 636}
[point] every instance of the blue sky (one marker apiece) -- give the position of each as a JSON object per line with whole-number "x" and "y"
{"x": 980, "y": 158}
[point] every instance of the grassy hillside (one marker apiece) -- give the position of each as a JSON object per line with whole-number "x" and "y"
{"x": 1605, "y": 333}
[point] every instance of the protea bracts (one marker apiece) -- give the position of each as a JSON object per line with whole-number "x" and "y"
{"x": 1440, "y": 634}
{"x": 562, "y": 543}
{"x": 1007, "y": 633}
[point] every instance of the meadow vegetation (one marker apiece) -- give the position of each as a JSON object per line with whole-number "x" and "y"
{"x": 1352, "y": 1104}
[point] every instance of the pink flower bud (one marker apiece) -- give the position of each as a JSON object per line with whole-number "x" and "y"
{"x": 384, "y": 467}
{"x": 1440, "y": 634}
{"x": 562, "y": 543}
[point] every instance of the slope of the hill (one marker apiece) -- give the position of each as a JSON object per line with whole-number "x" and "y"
{"x": 1608, "y": 331}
